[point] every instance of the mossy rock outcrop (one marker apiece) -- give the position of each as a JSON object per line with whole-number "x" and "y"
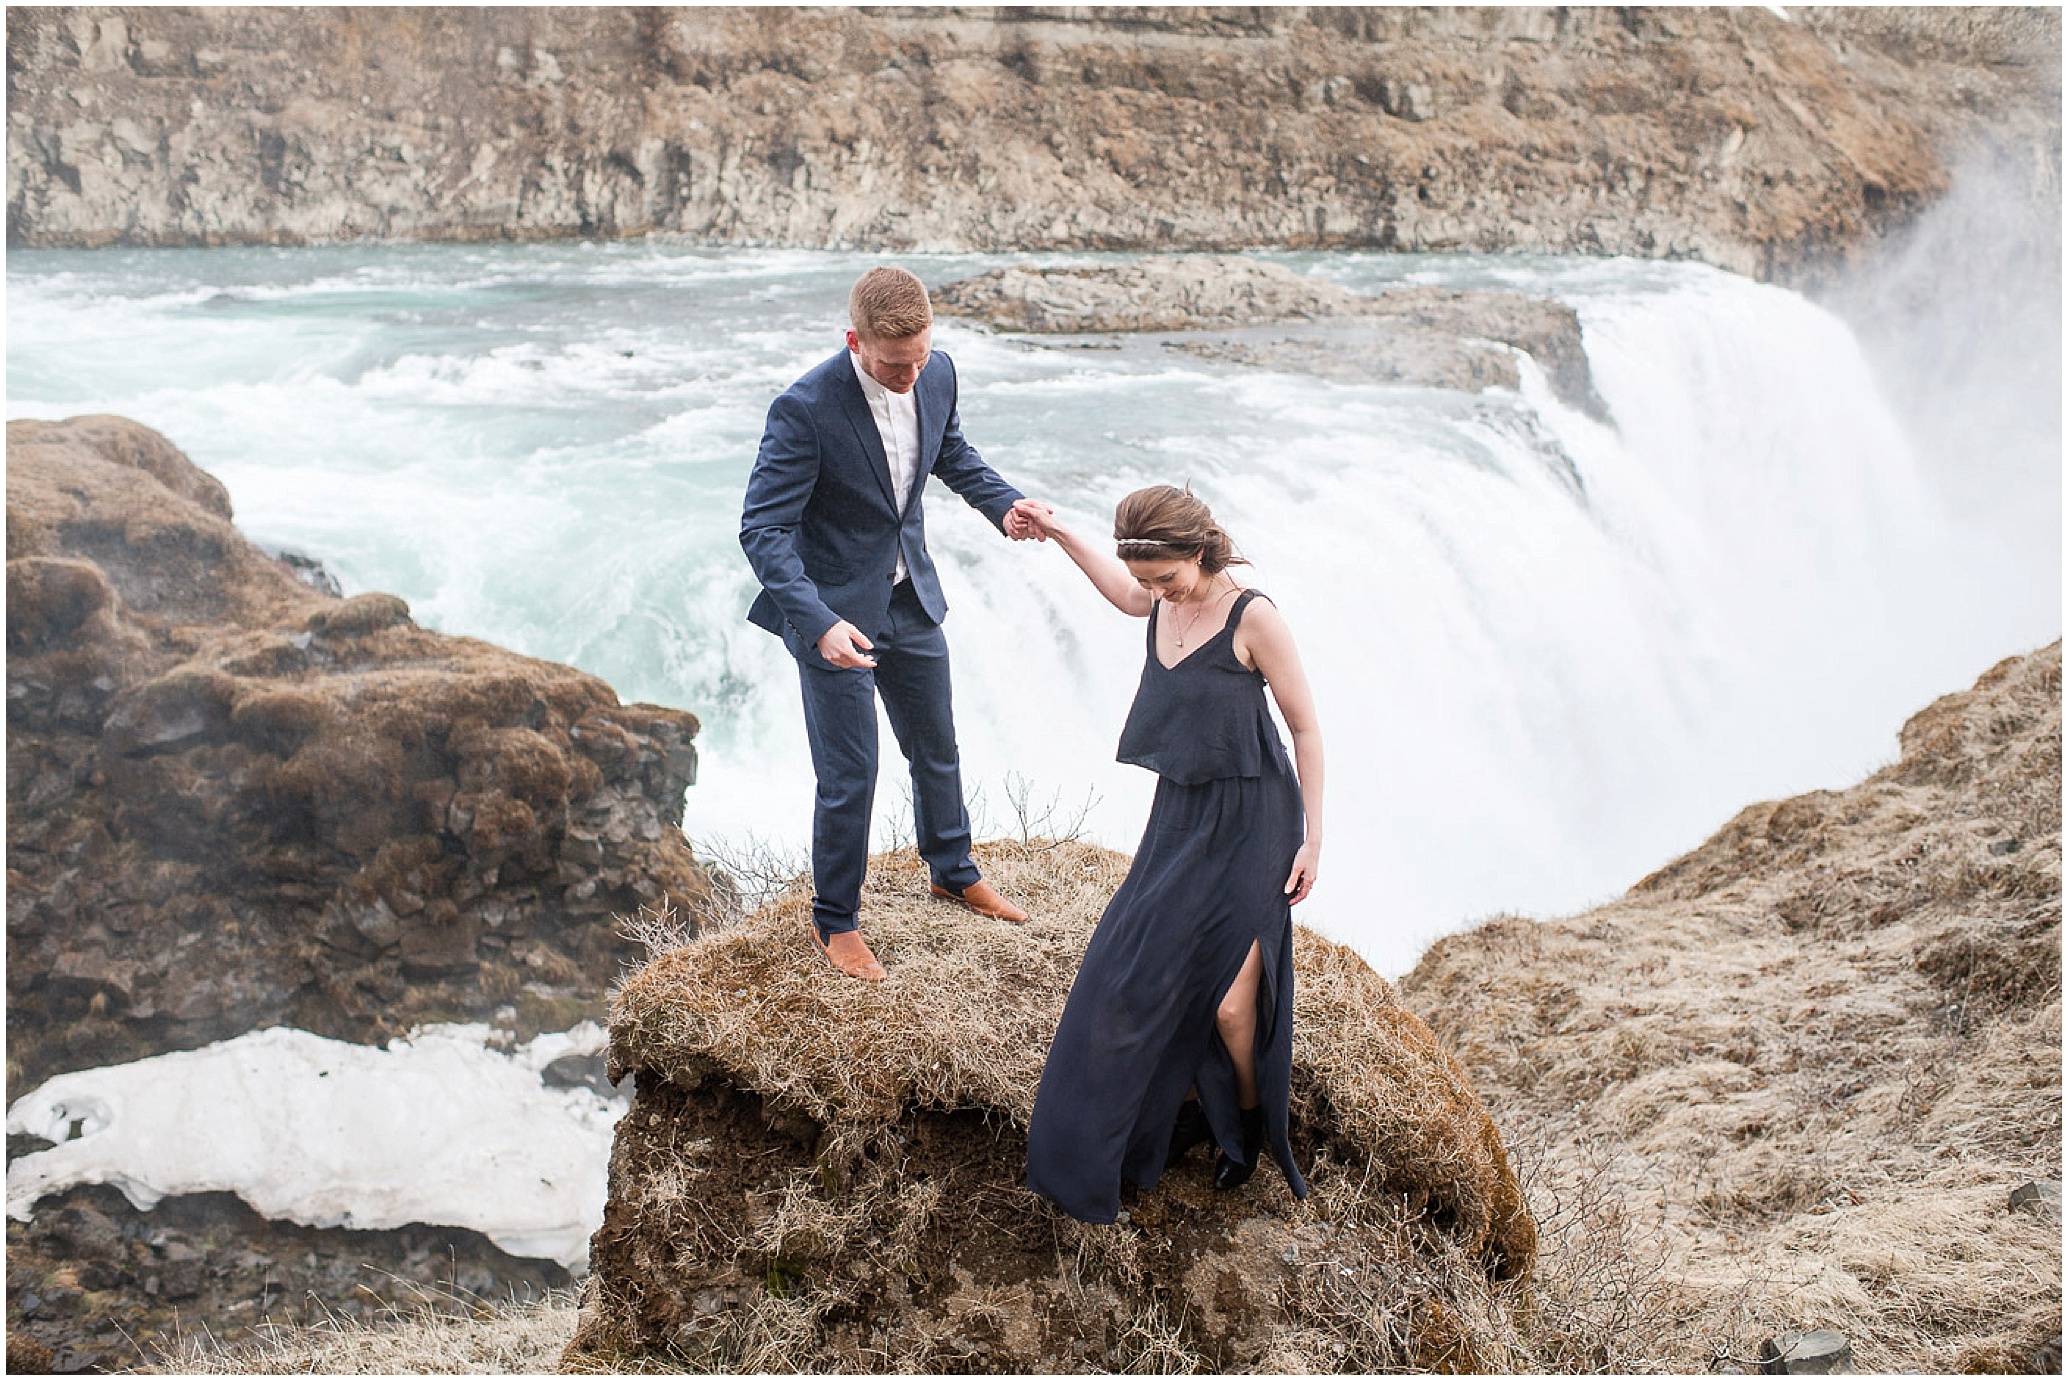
{"x": 819, "y": 1174}
{"x": 237, "y": 801}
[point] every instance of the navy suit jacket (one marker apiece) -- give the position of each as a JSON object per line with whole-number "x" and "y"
{"x": 821, "y": 526}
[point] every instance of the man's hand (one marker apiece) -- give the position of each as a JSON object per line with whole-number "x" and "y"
{"x": 1026, "y": 519}
{"x": 843, "y": 645}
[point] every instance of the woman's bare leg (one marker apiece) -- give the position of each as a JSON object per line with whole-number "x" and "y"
{"x": 1237, "y": 1020}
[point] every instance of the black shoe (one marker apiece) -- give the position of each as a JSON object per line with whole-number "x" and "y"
{"x": 1188, "y": 1131}
{"x": 1233, "y": 1174}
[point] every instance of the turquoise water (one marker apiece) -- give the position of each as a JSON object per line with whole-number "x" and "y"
{"x": 1534, "y": 689}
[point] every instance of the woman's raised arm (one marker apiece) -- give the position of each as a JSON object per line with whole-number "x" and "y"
{"x": 1107, "y": 572}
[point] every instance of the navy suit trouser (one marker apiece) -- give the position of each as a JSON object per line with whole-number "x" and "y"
{"x": 911, "y": 674}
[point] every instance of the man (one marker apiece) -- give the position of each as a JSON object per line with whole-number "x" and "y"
{"x": 835, "y": 528}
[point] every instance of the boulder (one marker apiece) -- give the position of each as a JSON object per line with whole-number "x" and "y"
{"x": 235, "y": 800}
{"x": 2042, "y": 1197}
{"x": 823, "y": 1175}
{"x": 1160, "y": 293}
{"x": 1819, "y": 1352}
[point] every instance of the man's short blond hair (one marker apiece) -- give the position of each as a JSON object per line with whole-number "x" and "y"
{"x": 889, "y": 304}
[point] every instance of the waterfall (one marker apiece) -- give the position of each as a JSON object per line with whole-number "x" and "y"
{"x": 1549, "y": 652}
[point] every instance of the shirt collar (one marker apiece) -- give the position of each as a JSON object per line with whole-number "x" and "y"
{"x": 872, "y": 390}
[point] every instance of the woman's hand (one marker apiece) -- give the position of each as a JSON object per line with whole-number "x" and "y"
{"x": 1306, "y": 871}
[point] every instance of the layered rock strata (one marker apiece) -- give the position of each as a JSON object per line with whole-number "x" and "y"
{"x": 1737, "y": 136}
{"x": 823, "y": 1175}
{"x": 1816, "y": 1060}
{"x": 235, "y": 801}
{"x": 1249, "y": 311}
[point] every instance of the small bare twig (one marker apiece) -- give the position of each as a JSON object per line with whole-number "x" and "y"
{"x": 657, "y": 929}
{"x": 900, "y": 827}
{"x": 749, "y": 872}
{"x": 1039, "y": 822}
{"x": 745, "y": 874}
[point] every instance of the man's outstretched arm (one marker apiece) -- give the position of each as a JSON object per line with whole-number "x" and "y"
{"x": 966, "y": 472}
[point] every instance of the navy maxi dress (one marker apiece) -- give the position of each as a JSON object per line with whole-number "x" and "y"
{"x": 1138, "y": 1030}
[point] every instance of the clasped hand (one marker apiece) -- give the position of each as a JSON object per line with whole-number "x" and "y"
{"x": 1029, "y": 518}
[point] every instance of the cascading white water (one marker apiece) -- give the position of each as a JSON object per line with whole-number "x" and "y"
{"x": 1549, "y": 653}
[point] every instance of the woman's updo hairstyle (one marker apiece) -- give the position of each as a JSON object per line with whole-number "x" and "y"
{"x": 1165, "y": 524}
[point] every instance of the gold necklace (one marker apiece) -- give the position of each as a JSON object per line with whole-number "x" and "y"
{"x": 1187, "y": 628}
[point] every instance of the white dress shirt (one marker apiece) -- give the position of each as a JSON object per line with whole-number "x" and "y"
{"x": 897, "y": 422}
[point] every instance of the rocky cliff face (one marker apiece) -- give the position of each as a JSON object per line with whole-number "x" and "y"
{"x": 1754, "y": 142}
{"x": 235, "y": 801}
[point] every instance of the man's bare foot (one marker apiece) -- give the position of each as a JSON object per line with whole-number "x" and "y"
{"x": 848, "y": 952}
{"x": 982, "y": 898}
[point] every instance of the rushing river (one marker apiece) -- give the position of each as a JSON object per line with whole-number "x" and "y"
{"x": 1549, "y": 653}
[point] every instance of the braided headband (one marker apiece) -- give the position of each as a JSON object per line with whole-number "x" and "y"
{"x": 1151, "y": 542}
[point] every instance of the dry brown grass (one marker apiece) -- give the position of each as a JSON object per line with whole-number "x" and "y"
{"x": 964, "y": 1019}
{"x": 1819, "y": 1052}
{"x": 427, "y": 1338}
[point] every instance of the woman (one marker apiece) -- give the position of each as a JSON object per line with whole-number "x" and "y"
{"x": 1187, "y": 983}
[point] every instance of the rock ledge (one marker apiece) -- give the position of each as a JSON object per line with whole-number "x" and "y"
{"x": 234, "y": 801}
{"x": 1254, "y": 312}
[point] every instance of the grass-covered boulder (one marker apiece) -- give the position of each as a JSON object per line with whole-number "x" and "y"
{"x": 819, "y": 1174}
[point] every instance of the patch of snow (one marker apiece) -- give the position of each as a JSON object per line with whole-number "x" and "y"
{"x": 434, "y": 1129}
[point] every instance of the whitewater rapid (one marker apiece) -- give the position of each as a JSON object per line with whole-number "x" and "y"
{"x": 1549, "y": 653}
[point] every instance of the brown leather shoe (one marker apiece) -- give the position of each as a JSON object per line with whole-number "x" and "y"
{"x": 848, "y": 952}
{"x": 982, "y": 898}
